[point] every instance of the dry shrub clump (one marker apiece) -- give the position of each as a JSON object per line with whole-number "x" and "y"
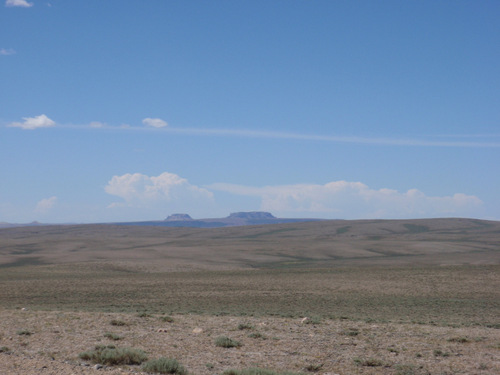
{"x": 258, "y": 371}
{"x": 226, "y": 342}
{"x": 110, "y": 355}
{"x": 164, "y": 366}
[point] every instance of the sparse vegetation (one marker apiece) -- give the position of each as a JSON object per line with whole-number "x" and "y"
{"x": 112, "y": 336}
{"x": 258, "y": 371}
{"x": 110, "y": 355}
{"x": 256, "y": 335}
{"x": 24, "y": 332}
{"x": 164, "y": 366}
{"x": 226, "y": 342}
{"x": 387, "y": 315}
{"x": 167, "y": 319}
{"x": 404, "y": 369}
{"x": 243, "y": 326}
{"x": 393, "y": 350}
{"x": 461, "y": 339}
{"x": 351, "y": 332}
{"x": 440, "y": 353}
{"x": 118, "y": 323}
{"x": 314, "y": 367}
{"x": 4, "y": 349}
{"x": 313, "y": 320}
{"x": 368, "y": 362}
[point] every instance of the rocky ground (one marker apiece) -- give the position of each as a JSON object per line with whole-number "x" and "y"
{"x": 49, "y": 342}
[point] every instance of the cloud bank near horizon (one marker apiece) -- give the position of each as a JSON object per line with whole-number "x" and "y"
{"x": 167, "y": 189}
{"x": 354, "y": 200}
{"x": 336, "y": 199}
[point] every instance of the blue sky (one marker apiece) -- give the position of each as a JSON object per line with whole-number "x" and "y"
{"x": 134, "y": 110}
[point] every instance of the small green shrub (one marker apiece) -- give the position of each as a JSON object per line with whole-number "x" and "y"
{"x": 368, "y": 362}
{"x": 164, "y": 366}
{"x": 313, "y": 320}
{"x": 226, "y": 342}
{"x": 256, "y": 335}
{"x": 118, "y": 323}
{"x": 462, "y": 339}
{"x": 110, "y": 355}
{"x": 112, "y": 336}
{"x": 144, "y": 315}
{"x": 351, "y": 332}
{"x": 440, "y": 353}
{"x": 4, "y": 349}
{"x": 24, "y": 332}
{"x": 406, "y": 370}
{"x": 243, "y": 326}
{"x": 258, "y": 371}
{"x": 167, "y": 319}
{"x": 313, "y": 367}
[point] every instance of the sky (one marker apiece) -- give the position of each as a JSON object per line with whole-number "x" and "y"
{"x": 135, "y": 110}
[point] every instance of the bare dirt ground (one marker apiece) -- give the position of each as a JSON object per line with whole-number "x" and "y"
{"x": 330, "y": 347}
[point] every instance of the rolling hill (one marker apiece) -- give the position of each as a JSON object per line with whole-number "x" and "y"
{"x": 297, "y": 244}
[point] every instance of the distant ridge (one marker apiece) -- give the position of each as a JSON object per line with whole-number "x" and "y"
{"x": 179, "y": 217}
{"x": 233, "y": 220}
{"x": 252, "y": 215}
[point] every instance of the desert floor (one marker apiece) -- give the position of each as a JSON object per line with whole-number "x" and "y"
{"x": 381, "y": 297}
{"x": 326, "y": 346}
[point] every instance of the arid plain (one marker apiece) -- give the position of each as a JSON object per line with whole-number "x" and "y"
{"x": 380, "y": 297}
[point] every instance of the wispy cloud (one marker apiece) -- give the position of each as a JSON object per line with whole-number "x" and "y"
{"x": 97, "y": 124}
{"x": 458, "y": 140}
{"x": 154, "y": 122}
{"x": 31, "y": 123}
{"x": 45, "y": 205}
{"x": 7, "y": 51}
{"x": 354, "y": 200}
{"x": 18, "y": 3}
{"x": 332, "y": 138}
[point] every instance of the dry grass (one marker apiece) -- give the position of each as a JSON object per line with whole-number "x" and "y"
{"x": 451, "y": 295}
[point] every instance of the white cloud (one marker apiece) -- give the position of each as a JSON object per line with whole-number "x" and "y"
{"x": 139, "y": 190}
{"x": 154, "y": 122}
{"x": 97, "y": 124}
{"x": 7, "y": 52}
{"x": 45, "y": 205}
{"x": 354, "y": 200}
{"x": 31, "y": 123}
{"x": 18, "y": 3}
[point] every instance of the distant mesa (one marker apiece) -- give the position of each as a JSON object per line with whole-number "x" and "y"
{"x": 179, "y": 217}
{"x": 234, "y": 219}
{"x": 252, "y": 215}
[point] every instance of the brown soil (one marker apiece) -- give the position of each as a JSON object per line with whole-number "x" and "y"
{"x": 332, "y": 346}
